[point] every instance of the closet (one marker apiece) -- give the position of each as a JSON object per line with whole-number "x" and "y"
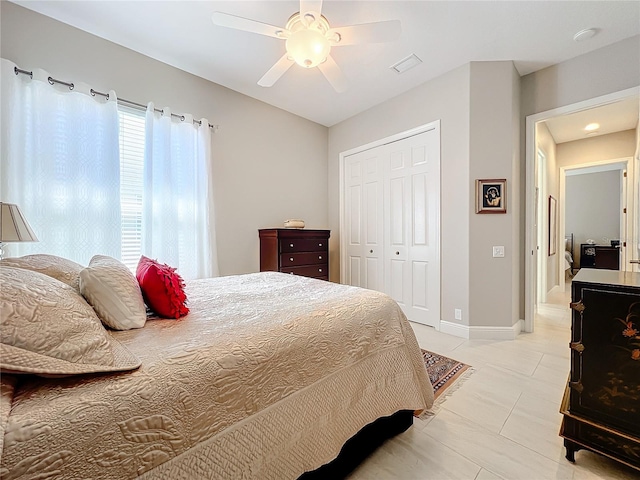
{"x": 391, "y": 222}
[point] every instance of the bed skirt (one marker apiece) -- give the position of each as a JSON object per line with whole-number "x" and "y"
{"x": 361, "y": 445}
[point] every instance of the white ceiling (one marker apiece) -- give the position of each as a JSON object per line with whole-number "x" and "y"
{"x": 444, "y": 34}
{"x": 614, "y": 117}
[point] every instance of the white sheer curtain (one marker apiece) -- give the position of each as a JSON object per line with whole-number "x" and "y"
{"x": 178, "y": 215}
{"x": 60, "y": 164}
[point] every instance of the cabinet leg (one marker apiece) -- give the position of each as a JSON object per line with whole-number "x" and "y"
{"x": 572, "y": 448}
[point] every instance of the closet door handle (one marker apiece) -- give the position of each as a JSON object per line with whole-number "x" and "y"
{"x": 370, "y": 251}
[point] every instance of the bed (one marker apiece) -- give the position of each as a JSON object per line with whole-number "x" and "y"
{"x": 568, "y": 254}
{"x": 267, "y": 377}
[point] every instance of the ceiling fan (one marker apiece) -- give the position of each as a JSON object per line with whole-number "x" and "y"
{"x": 308, "y": 40}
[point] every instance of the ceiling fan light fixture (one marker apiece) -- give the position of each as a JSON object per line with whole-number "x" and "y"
{"x": 308, "y": 47}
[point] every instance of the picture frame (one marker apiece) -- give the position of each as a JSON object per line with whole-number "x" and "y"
{"x": 553, "y": 226}
{"x": 491, "y": 195}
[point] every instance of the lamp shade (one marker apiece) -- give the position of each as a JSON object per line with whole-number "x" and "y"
{"x": 13, "y": 226}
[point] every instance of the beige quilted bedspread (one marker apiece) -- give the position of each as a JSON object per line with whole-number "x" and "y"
{"x": 266, "y": 378}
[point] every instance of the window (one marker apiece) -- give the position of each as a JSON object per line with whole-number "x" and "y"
{"x": 132, "y": 124}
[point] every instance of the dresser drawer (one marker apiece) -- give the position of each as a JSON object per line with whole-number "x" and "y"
{"x": 315, "y": 271}
{"x": 288, "y": 245}
{"x": 299, "y": 259}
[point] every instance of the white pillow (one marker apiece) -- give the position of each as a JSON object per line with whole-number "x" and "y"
{"x": 67, "y": 271}
{"x": 113, "y": 291}
{"x": 48, "y": 329}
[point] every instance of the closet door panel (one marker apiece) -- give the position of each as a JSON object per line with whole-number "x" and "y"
{"x": 354, "y": 220}
{"x": 420, "y": 286}
{"x": 393, "y": 232}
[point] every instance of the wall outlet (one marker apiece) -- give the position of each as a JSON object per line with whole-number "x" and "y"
{"x": 457, "y": 314}
{"x": 498, "y": 251}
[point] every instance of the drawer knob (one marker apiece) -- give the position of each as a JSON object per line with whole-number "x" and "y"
{"x": 291, "y": 259}
{"x": 397, "y": 253}
{"x": 319, "y": 244}
{"x": 370, "y": 251}
{"x": 291, "y": 245}
{"x": 319, "y": 257}
{"x": 320, "y": 270}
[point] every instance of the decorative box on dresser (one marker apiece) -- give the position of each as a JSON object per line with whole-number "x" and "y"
{"x": 296, "y": 251}
{"x": 601, "y": 404}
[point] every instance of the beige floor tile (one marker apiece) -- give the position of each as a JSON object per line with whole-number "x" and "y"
{"x": 492, "y": 451}
{"x": 535, "y": 423}
{"x": 487, "y": 475}
{"x": 415, "y": 456}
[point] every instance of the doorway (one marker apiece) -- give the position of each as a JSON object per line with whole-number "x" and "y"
{"x": 533, "y": 249}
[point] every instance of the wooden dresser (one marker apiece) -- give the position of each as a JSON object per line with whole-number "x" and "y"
{"x": 601, "y": 404}
{"x": 296, "y": 251}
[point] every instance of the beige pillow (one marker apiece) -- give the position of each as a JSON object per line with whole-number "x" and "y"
{"x": 62, "y": 269}
{"x": 113, "y": 291}
{"x": 48, "y": 329}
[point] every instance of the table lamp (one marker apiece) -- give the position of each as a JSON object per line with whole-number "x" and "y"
{"x": 13, "y": 226}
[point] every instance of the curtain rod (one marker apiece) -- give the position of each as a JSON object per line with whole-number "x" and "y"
{"x": 71, "y": 86}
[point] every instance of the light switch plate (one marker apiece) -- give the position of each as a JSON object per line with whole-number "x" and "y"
{"x": 457, "y": 313}
{"x": 498, "y": 251}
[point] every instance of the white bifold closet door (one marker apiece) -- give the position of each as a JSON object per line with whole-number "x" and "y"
{"x": 392, "y": 205}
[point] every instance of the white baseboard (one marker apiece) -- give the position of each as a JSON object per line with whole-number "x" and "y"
{"x": 482, "y": 333}
{"x": 454, "y": 329}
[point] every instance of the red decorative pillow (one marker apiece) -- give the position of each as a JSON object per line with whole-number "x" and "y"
{"x": 162, "y": 288}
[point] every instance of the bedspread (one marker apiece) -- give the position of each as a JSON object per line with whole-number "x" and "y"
{"x": 267, "y": 377}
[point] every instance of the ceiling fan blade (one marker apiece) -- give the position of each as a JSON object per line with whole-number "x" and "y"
{"x": 240, "y": 23}
{"x": 334, "y": 75}
{"x": 310, "y": 6}
{"x": 275, "y": 72}
{"x": 378, "y": 32}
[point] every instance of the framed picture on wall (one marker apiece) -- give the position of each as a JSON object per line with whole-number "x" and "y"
{"x": 553, "y": 226}
{"x": 491, "y": 196}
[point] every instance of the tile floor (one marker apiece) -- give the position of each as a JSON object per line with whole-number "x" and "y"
{"x": 503, "y": 421}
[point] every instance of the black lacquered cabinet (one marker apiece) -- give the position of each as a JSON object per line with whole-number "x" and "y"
{"x": 601, "y": 405}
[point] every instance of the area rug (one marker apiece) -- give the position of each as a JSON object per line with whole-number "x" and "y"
{"x": 443, "y": 371}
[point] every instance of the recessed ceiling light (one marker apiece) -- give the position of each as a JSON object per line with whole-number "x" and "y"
{"x": 585, "y": 34}
{"x": 406, "y": 63}
{"x": 592, "y": 126}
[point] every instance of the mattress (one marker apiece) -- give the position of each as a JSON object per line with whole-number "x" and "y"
{"x": 267, "y": 377}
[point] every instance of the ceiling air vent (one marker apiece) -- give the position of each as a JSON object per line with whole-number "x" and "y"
{"x": 406, "y": 63}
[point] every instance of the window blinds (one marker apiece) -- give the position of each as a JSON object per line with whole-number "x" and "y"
{"x": 132, "y": 124}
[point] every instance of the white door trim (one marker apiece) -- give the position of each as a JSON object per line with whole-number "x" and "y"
{"x": 530, "y": 146}
{"x": 435, "y": 125}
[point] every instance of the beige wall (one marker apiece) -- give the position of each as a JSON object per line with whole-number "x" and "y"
{"x": 446, "y": 99}
{"x": 594, "y": 149}
{"x": 592, "y": 206}
{"x": 548, "y": 146}
{"x": 494, "y": 152}
{"x": 268, "y": 165}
